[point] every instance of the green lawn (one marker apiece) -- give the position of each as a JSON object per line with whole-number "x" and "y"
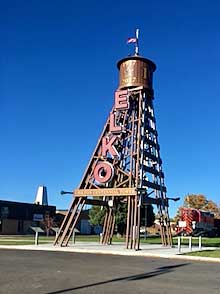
{"x": 206, "y": 242}
{"x": 24, "y": 240}
{"x": 20, "y": 242}
{"x": 29, "y": 239}
{"x": 206, "y": 253}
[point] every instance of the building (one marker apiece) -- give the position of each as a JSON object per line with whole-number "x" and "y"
{"x": 17, "y": 217}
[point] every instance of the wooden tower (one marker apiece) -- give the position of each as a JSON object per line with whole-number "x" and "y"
{"x": 126, "y": 166}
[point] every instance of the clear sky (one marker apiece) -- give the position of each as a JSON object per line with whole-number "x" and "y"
{"x": 57, "y": 79}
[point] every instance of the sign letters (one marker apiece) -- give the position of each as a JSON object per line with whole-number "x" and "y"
{"x": 103, "y": 171}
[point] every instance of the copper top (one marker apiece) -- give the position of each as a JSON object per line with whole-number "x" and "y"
{"x": 135, "y": 71}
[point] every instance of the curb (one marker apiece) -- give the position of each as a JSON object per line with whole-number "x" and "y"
{"x": 103, "y": 252}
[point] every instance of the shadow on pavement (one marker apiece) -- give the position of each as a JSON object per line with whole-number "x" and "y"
{"x": 158, "y": 271}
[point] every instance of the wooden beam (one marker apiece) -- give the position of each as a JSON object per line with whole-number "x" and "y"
{"x": 153, "y": 171}
{"x": 105, "y": 192}
{"x": 154, "y": 186}
{"x": 96, "y": 202}
{"x": 157, "y": 201}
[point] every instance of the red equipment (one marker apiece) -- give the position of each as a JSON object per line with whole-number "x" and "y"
{"x": 192, "y": 220}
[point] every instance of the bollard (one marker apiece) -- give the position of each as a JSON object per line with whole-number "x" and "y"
{"x": 100, "y": 238}
{"x": 36, "y": 238}
{"x": 190, "y": 243}
{"x": 73, "y": 237}
{"x": 179, "y": 244}
{"x": 200, "y": 242}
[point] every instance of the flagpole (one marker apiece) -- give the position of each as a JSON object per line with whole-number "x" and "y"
{"x": 136, "y": 44}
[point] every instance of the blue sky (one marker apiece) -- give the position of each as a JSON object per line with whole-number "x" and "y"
{"x": 58, "y": 76}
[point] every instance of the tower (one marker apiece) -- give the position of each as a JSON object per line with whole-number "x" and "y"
{"x": 126, "y": 167}
{"x": 41, "y": 196}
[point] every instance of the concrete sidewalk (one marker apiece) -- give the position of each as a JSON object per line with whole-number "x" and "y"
{"x": 147, "y": 250}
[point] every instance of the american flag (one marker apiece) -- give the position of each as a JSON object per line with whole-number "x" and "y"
{"x": 131, "y": 40}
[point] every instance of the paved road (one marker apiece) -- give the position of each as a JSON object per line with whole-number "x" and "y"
{"x": 40, "y": 272}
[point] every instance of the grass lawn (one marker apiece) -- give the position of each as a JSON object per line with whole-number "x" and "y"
{"x": 20, "y": 242}
{"x": 206, "y": 242}
{"x": 29, "y": 239}
{"x": 24, "y": 240}
{"x": 206, "y": 253}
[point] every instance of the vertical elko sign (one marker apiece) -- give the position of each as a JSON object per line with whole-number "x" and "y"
{"x": 104, "y": 171}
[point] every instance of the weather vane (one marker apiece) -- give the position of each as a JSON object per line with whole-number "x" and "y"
{"x": 134, "y": 40}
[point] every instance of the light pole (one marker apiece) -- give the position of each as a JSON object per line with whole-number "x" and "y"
{"x": 145, "y": 223}
{"x": 65, "y": 192}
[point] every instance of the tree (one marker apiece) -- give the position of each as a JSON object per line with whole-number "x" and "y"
{"x": 97, "y": 214}
{"x": 199, "y": 201}
{"x": 148, "y": 213}
{"x": 48, "y": 223}
{"x": 211, "y": 206}
{"x": 121, "y": 218}
{"x": 177, "y": 217}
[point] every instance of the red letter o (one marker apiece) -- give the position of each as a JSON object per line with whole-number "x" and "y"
{"x": 103, "y": 172}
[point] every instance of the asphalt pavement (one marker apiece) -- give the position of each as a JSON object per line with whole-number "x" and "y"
{"x": 44, "y": 272}
{"x": 147, "y": 250}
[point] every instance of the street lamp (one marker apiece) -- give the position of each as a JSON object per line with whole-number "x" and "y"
{"x": 65, "y": 192}
{"x": 173, "y": 198}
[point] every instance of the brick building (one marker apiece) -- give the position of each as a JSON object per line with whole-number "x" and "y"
{"x": 17, "y": 217}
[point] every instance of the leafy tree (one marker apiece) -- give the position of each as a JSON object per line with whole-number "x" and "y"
{"x": 121, "y": 218}
{"x": 172, "y": 219}
{"x": 177, "y": 216}
{"x": 121, "y": 213}
{"x": 48, "y": 223}
{"x": 199, "y": 201}
{"x": 211, "y": 206}
{"x": 96, "y": 215}
{"x": 147, "y": 212}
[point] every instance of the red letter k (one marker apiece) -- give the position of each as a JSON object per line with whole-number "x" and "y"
{"x": 107, "y": 146}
